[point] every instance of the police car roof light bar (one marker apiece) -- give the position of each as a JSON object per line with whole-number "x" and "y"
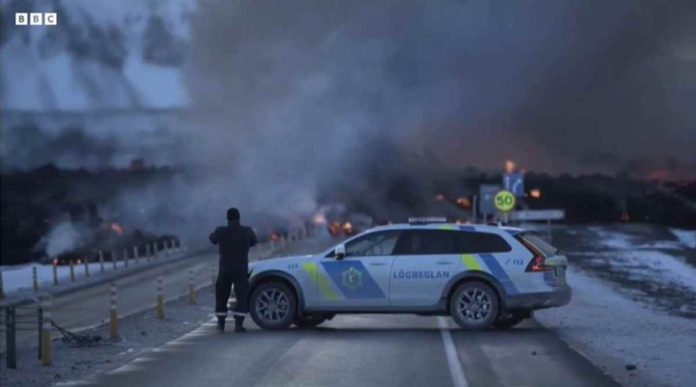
{"x": 426, "y": 220}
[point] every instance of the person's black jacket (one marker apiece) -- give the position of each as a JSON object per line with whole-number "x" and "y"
{"x": 234, "y": 241}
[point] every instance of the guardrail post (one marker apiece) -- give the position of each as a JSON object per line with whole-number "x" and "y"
{"x": 72, "y": 271}
{"x": 113, "y": 315}
{"x": 160, "y": 299}
{"x": 136, "y": 254}
{"x": 55, "y": 272}
{"x": 113, "y": 259}
{"x": 86, "y": 267}
{"x": 34, "y": 278}
{"x": 10, "y": 338}
{"x": 125, "y": 257}
{"x": 192, "y": 289}
{"x": 39, "y": 319}
{"x": 101, "y": 261}
{"x": 46, "y": 341}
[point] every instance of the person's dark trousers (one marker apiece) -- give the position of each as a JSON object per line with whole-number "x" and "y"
{"x": 222, "y": 294}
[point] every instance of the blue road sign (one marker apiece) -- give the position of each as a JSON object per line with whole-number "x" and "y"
{"x": 486, "y": 194}
{"x": 514, "y": 182}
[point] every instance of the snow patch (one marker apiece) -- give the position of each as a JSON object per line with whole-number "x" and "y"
{"x": 652, "y": 265}
{"x": 686, "y": 237}
{"x": 613, "y": 240}
{"x": 614, "y": 331}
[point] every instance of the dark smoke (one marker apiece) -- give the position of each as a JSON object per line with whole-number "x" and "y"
{"x": 295, "y": 97}
{"x": 295, "y": 102}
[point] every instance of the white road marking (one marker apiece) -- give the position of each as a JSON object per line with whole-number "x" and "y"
{"x": 455, "y": 365}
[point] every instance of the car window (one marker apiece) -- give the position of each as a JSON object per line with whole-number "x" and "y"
{"x": 480, "y": 242}
{"x": 426, "y": 242}
{"x": 373, "y": 244}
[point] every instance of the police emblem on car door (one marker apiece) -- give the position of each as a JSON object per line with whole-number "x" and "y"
{"x": 361, "y": 278}
{"x": 352, "y": 279}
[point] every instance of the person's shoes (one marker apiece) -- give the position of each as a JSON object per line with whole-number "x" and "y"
{"x": 239, "y": 324}
{"x": 221, "y": 324}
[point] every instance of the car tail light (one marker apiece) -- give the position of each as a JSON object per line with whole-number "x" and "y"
{"x": 538, "y": 262}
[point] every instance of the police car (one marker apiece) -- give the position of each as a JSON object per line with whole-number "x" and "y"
{"x": 481, "y": 275}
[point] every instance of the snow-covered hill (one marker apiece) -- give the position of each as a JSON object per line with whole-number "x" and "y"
{"x": 102, "y": 55}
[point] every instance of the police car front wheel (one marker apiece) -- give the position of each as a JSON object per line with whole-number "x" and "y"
{"x": 474, "y": 305}
{"x": 273, "y": 305}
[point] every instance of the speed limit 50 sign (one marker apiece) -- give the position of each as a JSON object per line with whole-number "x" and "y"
{"x": 504, "y": 201}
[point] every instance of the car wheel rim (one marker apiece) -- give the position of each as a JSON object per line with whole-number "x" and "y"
{"x": 272, "y": 305}
{"x": 474, "y": 305}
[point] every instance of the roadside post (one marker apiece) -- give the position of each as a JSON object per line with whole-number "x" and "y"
{"x": 160, "y": 299}
{"x": 39, "y": 320}
{"x": 10, "y": 337}
{"x": 125, "y": 257}
{"x": 101, "y": 261}
{"x": 86, "y": 267}
{"x": 72, "y": 271}
{"x": 192, "y": 289}
{"x": 46, "y": 341}
{"x": 136, "y": 254}
{"x": 147, "y": 253}
{"x": 55, "y": 272}
{"x": 34, "y": 278}
{"x": 113, "y": 259}
{"x": 2, "y": 287}
{"x": 113, "y": 315}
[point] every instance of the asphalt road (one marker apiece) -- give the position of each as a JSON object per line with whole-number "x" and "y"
{"x": 362, "y": 350}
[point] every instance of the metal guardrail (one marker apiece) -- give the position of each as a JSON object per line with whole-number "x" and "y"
{"x": 156, "y": 258}
{"x": 15, "y": 319}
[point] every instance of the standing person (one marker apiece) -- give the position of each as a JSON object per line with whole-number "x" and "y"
{"x": 234, "y": 241}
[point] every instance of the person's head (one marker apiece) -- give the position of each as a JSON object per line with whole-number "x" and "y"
{"x": 232, "y": 214}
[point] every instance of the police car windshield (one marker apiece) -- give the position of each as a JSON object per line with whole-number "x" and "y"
{"x": 545, "y": 247}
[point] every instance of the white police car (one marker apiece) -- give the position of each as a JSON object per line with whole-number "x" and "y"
{"x": 480, "y": 275}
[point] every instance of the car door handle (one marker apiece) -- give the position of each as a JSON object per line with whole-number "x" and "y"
{"x": 444, "y": 262}
{"x": 377, "y": 263}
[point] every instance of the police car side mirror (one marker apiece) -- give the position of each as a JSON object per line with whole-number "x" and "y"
{"x": 340, "y": 252}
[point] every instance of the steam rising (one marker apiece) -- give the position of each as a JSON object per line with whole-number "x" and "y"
{"x": 296, "y": 102}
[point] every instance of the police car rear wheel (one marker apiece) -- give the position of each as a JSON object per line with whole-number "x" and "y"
{"x": 273, "y": 306}
{"x": 474, "y": 306}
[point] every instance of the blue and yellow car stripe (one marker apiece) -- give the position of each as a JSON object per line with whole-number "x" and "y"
{"x": 489, "y": 264}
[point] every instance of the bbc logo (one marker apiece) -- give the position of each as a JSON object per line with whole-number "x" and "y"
{"x": 36, "y": 19}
